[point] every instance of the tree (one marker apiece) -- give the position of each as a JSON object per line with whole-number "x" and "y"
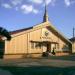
{"x": 5, "y": 33}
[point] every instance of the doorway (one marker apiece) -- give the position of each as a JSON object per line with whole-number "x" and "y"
{"x": 48, "y": 47}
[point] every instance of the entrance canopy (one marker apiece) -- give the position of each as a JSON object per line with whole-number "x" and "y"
{"x": 44, "y": 42}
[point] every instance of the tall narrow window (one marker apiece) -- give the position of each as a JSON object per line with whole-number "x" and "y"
{"x": 40, "y": 45}
{"x": 58, "y": 46}
{"x": 36, "y": 45}
{"x": 32, "y": 45}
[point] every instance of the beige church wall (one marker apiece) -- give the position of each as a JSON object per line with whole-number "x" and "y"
{"x": 73, "y": 47}
{"x": 21, "y": 44}
{"x": 51, "y": 37}
{"x": 35, "y": 36}
{"x": 61, "y": 46}
{"x": 17, "y": 44}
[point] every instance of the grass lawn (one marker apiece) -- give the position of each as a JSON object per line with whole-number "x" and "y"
{"x": 44, "y": 68}
{"x": 37, "y": 70}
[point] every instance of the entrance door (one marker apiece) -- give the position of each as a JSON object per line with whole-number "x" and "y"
{"x": 48, "y": 47}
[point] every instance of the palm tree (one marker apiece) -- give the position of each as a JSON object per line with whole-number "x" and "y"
{"x": 5, "y": 33}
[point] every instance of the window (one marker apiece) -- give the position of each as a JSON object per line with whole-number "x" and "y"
{"x": 36, "y": 45}
{"x": 32, "y": 45}
{"x": 40, "y": 45}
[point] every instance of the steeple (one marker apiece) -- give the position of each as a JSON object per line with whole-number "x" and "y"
{"x": 45, "y": 17}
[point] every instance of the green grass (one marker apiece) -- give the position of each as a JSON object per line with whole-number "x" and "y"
{"x": 45, "y": 70}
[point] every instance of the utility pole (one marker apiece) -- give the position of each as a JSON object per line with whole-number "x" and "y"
{"x": 73, "y": 48}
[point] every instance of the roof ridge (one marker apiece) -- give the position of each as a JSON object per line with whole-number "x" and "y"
{"x": 20, "y": 30}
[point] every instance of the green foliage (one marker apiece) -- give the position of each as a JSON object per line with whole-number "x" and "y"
{"x": 5, "y": 33}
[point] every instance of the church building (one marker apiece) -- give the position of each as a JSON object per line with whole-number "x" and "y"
{"x": 73, "y": 44}
{"x": 36, "y": 40}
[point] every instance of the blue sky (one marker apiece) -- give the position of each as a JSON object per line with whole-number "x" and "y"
{"x": 18, "y": 14}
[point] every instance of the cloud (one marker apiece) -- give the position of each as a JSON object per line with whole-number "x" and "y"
{"x": 16, "y": 2}
{"x": 42, "y": 2}
{"x": 69, "y": 2}
{"x": 18, "y": 5}
{"x": 6, "y": 5}
{"x": 49, "y": 1}
{"x": 28, "y": 9}
{"x": 36, "y": 11}
{"x": 52, "y": 2}
{"x": 36, "y": 1}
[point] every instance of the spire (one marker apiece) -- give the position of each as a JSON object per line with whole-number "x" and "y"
{"x": 45, "y": 17}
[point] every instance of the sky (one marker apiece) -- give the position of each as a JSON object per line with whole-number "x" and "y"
{"x": 18, "y": 14}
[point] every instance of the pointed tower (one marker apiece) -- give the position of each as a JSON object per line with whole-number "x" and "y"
{"x": 45, "y": 17}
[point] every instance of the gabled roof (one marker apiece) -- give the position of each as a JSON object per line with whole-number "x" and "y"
{"x": 59, "y": 33}
{"x": 72, "y": 39}
{"x": 25, "y": 29}
{"x": 20, "y": 30}
{"x": 50, "y": 26}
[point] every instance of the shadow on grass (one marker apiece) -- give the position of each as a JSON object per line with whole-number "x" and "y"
{"x": 40, "y": 70}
